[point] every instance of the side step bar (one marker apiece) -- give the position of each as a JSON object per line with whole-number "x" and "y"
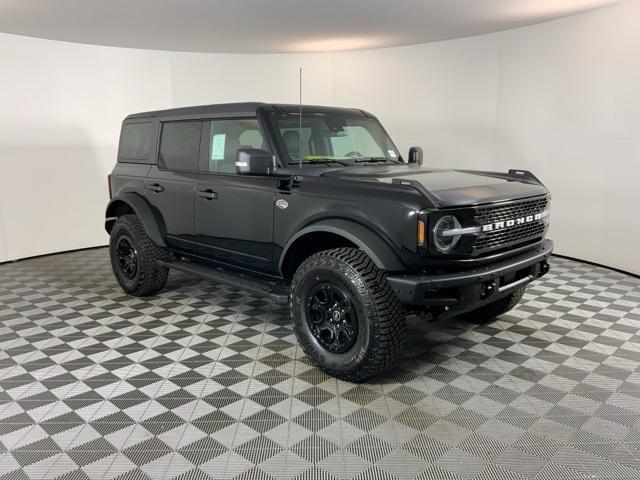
{"x": 277, "y": 292}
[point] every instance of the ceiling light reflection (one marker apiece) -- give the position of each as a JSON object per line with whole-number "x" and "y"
{"x": 338, "y": 44}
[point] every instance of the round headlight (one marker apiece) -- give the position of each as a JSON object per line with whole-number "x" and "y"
{"x": 444, "y": 235}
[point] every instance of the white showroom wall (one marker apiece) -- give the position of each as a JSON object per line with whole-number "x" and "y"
{"x": 200, "y": 78}
{"x": 569, "y": 109}
{"x": 441, "y": 96}
{"x": 3, "y": 251}
{"x": 62, "y": 105}
{"x": 559, "y": 98}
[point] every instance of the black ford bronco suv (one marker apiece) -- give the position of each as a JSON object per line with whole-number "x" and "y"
{"x": 315, "y": 207}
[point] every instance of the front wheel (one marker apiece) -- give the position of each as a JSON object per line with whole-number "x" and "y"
{"x": 345, "y": 315}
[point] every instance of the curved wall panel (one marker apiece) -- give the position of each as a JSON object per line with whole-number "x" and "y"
{"x": 62, "y": 106}
{"x": 3, "y": 252}
{"x": 569, "y": 108}
{"x": 558, "y": 98}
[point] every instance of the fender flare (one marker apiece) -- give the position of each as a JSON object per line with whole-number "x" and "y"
{"x": 142, "y": 209}
{"x": 364, "y": 238}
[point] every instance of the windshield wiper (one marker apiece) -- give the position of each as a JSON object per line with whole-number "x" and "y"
{"x": 324, "y": 161}
{"x": 375, "y": 160}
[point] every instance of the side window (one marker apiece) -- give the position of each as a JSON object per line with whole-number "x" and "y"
{"x": 179, "y": 145}
{"x": 226, "y": 137}
{"x": 135, "y": 141}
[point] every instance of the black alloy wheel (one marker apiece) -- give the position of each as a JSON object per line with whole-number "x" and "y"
{"x": 345, "y": 315}
{"x": 331, "y": 317}
{"x": 127, "y": 257}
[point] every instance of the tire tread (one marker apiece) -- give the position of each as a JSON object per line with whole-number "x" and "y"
{"x": 384, "y": 309}
{"x": 153, "y": 276}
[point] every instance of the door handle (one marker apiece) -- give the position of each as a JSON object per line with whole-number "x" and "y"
{"x": 155, "y": 187}
{"x": 208, "y": 194}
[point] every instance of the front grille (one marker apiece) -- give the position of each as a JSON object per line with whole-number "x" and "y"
{"x": 513, "y": 235}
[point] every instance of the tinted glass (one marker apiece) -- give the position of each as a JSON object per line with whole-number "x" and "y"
{"x": 334, "y": 137}
{"x": 356, "y": 138}
{"x": 226, "y": 137}
{"x": 180, "y": 145}
{"x": 135, "y": 141}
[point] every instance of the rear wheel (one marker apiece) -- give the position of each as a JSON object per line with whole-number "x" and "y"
{"x": 135, "y": 259}
{"x": 489, "y": 312}
{"x": 345, "y": 315}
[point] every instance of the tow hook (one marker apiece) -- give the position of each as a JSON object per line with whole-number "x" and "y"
{"x": 487, "y": 289}
{"x": 544, "y": 267}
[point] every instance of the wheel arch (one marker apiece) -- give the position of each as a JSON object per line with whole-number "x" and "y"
{"x": 131, "y": 202}
{"x": 346, "y": 233}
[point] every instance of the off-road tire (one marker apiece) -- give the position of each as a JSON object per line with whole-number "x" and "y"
{"x": 151, "y": 276}
{"x": 489, "y": 312}
{"x": 381, "y": 318}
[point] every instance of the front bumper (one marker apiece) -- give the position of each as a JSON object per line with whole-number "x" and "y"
{"x": 466, "y": 290}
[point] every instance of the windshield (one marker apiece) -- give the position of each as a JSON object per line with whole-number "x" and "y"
{"x": 326, "y": 138}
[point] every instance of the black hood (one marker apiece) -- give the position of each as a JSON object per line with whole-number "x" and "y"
{"x": 448, "y": 188}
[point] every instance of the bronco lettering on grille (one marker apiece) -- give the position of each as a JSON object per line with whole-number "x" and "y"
{"x": 490, "y": 227}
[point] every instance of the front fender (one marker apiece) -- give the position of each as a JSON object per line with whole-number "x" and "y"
{"x": 142, "y": 209}
{"x": 368, "y": 241}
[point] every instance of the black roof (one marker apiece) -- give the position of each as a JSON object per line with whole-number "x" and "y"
{"x": 243, "y": 109}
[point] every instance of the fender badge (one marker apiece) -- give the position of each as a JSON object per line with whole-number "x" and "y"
{"x": 282, "y": 203}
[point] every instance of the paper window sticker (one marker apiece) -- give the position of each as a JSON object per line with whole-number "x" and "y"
{"x": 217, "y": 146}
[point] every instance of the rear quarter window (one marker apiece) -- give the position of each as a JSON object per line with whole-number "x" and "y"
{"x": 135, "y": 142}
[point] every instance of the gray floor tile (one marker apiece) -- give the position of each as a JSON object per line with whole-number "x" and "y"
{"x": 203, "y": 381}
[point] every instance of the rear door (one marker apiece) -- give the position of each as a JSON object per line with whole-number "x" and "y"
{"x": 170, "y": 183}
{"x": 234, "y": 213}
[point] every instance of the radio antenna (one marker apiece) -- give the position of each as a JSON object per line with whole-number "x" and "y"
{"x": 300, "y": 122}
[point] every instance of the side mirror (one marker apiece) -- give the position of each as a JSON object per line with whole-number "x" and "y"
{"x": 415, "y": 155}
{"x": 253, "y": 161}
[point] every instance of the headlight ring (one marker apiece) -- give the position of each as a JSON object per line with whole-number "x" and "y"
{"x": 446, "y": 233}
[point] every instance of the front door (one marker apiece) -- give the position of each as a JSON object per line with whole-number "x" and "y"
{"x": 233, "y": 213}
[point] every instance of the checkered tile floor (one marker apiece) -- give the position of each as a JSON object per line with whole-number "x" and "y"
{"x": 203, "y": 381}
